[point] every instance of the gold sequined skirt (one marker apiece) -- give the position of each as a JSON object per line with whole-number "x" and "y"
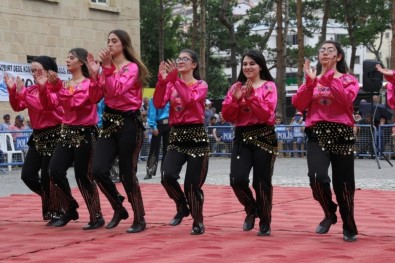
{"x": 190, "y": 139}
{"x": 262, "y": 136}
{"x": 333, "y": 137}
{"x": 75, "y": 135}
{"x": 45, "y": 140}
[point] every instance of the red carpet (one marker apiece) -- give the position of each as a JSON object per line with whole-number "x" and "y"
{"x": 25, "y": 238}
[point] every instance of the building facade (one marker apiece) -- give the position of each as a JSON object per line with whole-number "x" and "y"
{"x": 30, "y": 28}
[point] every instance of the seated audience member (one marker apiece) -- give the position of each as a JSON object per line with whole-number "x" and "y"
{"x": 223, "y": 134}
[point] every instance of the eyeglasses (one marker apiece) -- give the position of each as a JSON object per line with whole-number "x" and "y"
{"x": 184, "y": 60}
{"x": 35, "y": 70}
{"x": 329, "y": 50}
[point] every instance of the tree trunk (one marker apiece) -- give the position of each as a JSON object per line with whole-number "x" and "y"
{"x": 202, "y": 67}
{"x": 349, "y": 21}
{"x": 161, "y": 32}
{"x": 325, "y": 18}
{"x": 232, "y": 38}
{"x": 195, "y": 22}
{"x": 299, "y": 17}
{"x": 280, "y": 76}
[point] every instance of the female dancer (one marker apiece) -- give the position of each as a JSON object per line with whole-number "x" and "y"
{"x": 46, "y": 128}
{"x": 390, "y": 77}
{"x": 120, "y": 82}
{"x": 188, "y": 141}
{"x": 250, "y": 105}
{"x": 328, "y": 96}
{"x": 77, "y": 138}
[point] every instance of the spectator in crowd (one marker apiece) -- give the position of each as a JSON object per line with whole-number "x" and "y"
{"x": 210, "y": 128}
{"x": 298, "y": 143}
{"x": 282, "y": 135}
{"x": 214, "y": 111}
{"x": 144, "y": 107}
{"x": 17, "y": 127}
{"x": 7, "y": 121}
{"x": 207, "y": 112}
{"x": 158, "y": 121}
{"x": 223, "y": 135}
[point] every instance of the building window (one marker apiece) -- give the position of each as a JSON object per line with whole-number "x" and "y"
{"x": 387, "y": 35}
{"x": 104, "y": 5}
{"x": 292, "y": 40}
{"x": 357, "y": 60}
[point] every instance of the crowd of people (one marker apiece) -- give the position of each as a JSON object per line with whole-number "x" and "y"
{"x": 184, "y": 122}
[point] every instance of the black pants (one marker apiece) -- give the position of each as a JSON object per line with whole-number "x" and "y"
{"x": 195, "y": 176}
{"x": 125, "y": 143}
{"x": 41, "y": 183}
{"x": 153, "y": 156}
{"x": 62, "y": 159}
{"x": 244, "y": 157}
{"x": 318, "y": 162}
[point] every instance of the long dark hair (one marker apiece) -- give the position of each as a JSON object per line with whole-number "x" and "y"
{"x": 131, "y": 54}
{"x": 81, "y": 54}
{"x": 195, "y": 59}
{"x": 341, "y": 65}
{"x": 259, "y": 58}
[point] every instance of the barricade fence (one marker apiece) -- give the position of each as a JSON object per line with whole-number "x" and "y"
{"x": 13, "y": 144}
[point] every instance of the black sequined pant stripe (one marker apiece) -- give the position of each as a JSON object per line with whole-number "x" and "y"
{"x": 126, "y": 144}
{"x": 343, "y": 182}
{"x": 153, "y": 156}
{"x": 243, "y": 159}
{"x": 42, "y": 185}
{"x": 61, "y": 161}
{"x": 195, "y": 176}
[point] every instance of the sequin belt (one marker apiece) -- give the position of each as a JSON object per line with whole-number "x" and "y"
{"x": 190, "y": 139}
{"x": 333, "y": 137}
{"x": 113, "y": 120}
{"x": 261, "y": 135}
{"x": 74, "y": 135}
{"x": 45, "y": 140}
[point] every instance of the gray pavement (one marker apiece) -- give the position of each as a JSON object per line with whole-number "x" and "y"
{"x": 287, "y": 172}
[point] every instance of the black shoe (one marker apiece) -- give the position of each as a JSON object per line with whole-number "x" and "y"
{"x": 326, "y": 224}
{"x": 349, "y": 237}
{"x": 137, "y": 227}
{"x": 119, "y": 215}
{"x": 148, "y": 176}
{"x": 66, "y": 218}
{"x": 264, "y": 231}
{"x": 198, "y": 229}
{"x": 52, "y": 221}
{"x": 99, "y": 222}
{"x": 178, "y": 217}
{"x": 249, "y": 222}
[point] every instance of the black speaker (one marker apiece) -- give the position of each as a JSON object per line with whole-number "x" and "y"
{"x": 372, "y": 79}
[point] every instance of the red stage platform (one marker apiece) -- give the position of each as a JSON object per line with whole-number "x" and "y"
{"x": 25, "y": 238}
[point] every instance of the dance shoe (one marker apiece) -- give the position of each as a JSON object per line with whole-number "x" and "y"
{"x": 178, "y": 217}
{"x": 148, "y": 176}
{"x": 349, "y": 237}
{"x": 119, "y": 215}
{"x": 326, "y": 224}
{"x": 249, "y": 222}
{"x": 52, "y": 221}
{"x": 99, "y": 222}
{"x": 137, "y": 227}
{"x": 198, "y": 229}
{"x": 264, "y": 231}
{"x": 66, "y": 218}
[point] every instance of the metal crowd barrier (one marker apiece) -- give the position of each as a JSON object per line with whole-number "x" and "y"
{"x": 13, "y": 145}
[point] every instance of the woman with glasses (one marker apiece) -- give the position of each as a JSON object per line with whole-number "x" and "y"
{"x": 250, "y": 105}
{"x": 46, "y": 127}
{"x": 121, "y": 84}
{"x": 77, "y": 137}
{"x": 327, "y": 96}
{"x": 179, "y": 83}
